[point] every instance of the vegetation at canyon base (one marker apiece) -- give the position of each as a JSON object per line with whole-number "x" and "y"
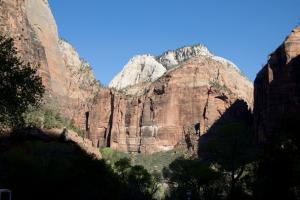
{"x": 230, "y": 166}
{"x": 153, "y": 163}
{"x": 35, "y": 168}
{"x": 43, "y": 118}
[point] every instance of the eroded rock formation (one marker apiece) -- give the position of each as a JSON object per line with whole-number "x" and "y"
{"x": 277, "y": 89}
{"x": 191, "y": 96}
{"x": 70, "y": 83}
{"x": 141, "y": 68}
{"x": 167, "y": 97}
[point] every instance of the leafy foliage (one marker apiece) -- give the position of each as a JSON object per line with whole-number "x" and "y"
{"x": 192, "y": 178}
{"x": 232, "y": 150}
{"x": 48, "y": 119}
{"x": 20, "y": 86}
{"x": 141, "y": 184}
{"x": 153, "y": 163}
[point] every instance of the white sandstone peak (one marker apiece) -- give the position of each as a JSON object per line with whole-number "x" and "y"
{"x": 147, "y": 68}
{"x": 141, "y": 68}
{"x": 174, "y": 57}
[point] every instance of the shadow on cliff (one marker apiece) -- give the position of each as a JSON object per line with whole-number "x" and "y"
{"x": 278, "y": 119}
{"x": 245, "y": 168}
{"x": 237, "y": 114}
{"x": 277, "y": 95}
{"x": 223, "y": 152}
{"x": 42, "y": 166}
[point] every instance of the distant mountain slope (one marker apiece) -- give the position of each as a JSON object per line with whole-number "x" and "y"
{"x": 147, "y": 68}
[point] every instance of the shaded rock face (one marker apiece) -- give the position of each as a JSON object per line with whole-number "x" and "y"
{"x": 277, "y": 89}
{"x": 191, "y": 97}
{"x": 69, "y": 81}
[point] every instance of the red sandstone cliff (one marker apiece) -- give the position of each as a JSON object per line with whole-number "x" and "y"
{"x": 70, "y": 83}
{"x": 187, "y": 99}
{"x": 277, "y": 89}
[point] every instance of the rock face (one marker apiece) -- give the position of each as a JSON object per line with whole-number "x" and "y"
{"x": 277, "y": 89}
{"x": 168, "y": 97}
{"x": 146, "y": 68}
{"x": 188, "y": 98}
{"x": 69, "y": 81}
{"x": 171, "y": 58}
{"x": 142, "y": 68}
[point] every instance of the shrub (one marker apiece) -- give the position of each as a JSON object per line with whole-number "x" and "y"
{"x": 48, "y": 119}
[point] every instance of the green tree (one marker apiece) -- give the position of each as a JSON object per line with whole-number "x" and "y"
{"x": 123, "y": 166}
{"x": 233, "y": 150}
{"x": 141, "y": 184}
{"x": 278, "y": 174}
{"x": 192, "y": 179}
{"x": 20, "y": 86}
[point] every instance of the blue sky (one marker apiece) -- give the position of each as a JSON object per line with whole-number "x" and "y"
{"x": 107, "y": 33}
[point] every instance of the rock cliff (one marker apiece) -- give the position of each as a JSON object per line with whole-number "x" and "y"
{"x": 69, "y": 80}
{"x": 277, "y": 89}
{"x": 189, "y": 98}
{"x": 168, "y": 97}
{"x": 141, "y": 68}
{"x": 146, "y": 68}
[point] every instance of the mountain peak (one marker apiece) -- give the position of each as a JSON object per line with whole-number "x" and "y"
{"x": 140, "y": 68}
{"x": 147, "y": 68}
{"x": 172, "y": 58}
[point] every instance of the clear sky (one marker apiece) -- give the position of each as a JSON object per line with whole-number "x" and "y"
{"x": 107, "y": 33}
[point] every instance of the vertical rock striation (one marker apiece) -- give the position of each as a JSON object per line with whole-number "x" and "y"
{"x": 192, "y": 96}
{"x": 167, "y": 97}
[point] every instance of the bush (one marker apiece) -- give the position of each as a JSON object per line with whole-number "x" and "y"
{"x": 112, "y": 156}
{"x": 48, "y": 119}
{"x": 153, "y": 163}
{"x": 215, "y": 84}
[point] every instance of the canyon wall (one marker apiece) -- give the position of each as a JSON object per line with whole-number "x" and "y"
{"x": 160, "y": 99}
{"x": 70, "y": 83}
{"x": 277, "y": 90}
{"x": 187, "y": 99}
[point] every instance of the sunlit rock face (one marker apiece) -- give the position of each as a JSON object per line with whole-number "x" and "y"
{"x": 70, "y": 83}
{"x": 44, "y": 26}
{"x": 163, "y": 98}
{"x": 146, "y": 68}
{"x": 277, "y": 90}
{"x": 141, "y": 68}
{"x": 193, "y": 94}
{"x": 171, "y": 58}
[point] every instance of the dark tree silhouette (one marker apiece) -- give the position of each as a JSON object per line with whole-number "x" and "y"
{"x": 20, "y": 86}
{"x": 279, "y": 168}
{"x": 192, "y": 179}
{"x": 232, "y": 150}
